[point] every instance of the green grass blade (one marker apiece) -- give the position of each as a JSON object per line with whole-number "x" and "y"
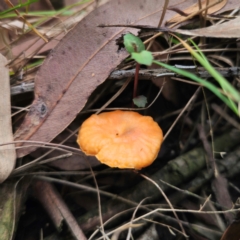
{"x": 17, "y": 6}
{"x": 228, "y": 89}
{"x": 203, "y": 82}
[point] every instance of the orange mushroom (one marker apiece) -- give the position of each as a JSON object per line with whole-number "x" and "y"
{"x": 121, "y": 139}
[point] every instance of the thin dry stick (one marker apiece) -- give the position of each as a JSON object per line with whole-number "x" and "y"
{"x": 176, "y": 210}
{"x": 21, "y": 110}
{"x": 170, "y": 228}
{"x": 223, "y": 114}
{"x": 187, "y": 192}
{"x": 99, "y": 200}
{"x": 195, "y": 13}
{"x": 133, "y": 216}
{"x": 115, "y": 95}
{"x": 115, "y": 235}
{"x": 42, "y": 144}
{"x": 205, "y": 203}
{"x": 56, "y": 158}
{"x": 211, "y": 134}
{"x": 181, "y": 113}
{"x": 160, "y": 21}
{"x": 109, "y": 220}
{"x": 25, "y": 21}
{"x": 169, "y": 203}
{"x": 130, "y": 109}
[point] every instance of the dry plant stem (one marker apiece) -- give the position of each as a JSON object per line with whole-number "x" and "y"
{"x": 167, "y": 200}
{"x": 195, "y": 13}
{"x": 42, "y": 144}
{"x": 226, "y": 116}
{"x": 160, "y": 21}
{"x": 165, "y": 225}
{"x": 148, "y": 74}
{"x": 32, "y": 163}
{"x": 25, "y": 21}
{"x": 168, "y": 210}
{"x": 21, "y": 110}
{"x": 115, "y": 96}
{"x": 131, "y": 222}
{"x": 207, "y": 148}
{"x": 129, "y": 109}
{"x": 56, "y": 208}
{"x": 178, "y": 117}
{"x": 130, "y": 225}
{"x": 55, "y": 158}
{"x": 210, "y": 127}
{"x": 186, "y": 18}
{"x": 143, "y": 74}
{"x": 194, "y": 185}
{"x": 99, "y": 201}
{"x": 117, "y": 232}
{"x": 220, "y": 188}
{"x": 205, "y": 203}
{"x": 22, "y": 59}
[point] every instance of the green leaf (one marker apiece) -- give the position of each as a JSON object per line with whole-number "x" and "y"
{"x": 140, "y": 101}
{"x": 133, "y": 43}
{"x": 144, "y": 57}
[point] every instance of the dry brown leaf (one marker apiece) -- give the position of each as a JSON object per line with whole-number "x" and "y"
{"x": 56, "y": 208}
{"x": 216, "y": 6}
{"x": 230, "y": 29}
{"x": 7, "y": 152}
{"x": 232, "y": 232}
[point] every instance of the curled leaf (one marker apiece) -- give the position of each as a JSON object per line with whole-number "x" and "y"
{"x": 144, "y": 57}
{"x": 133, "y": 43}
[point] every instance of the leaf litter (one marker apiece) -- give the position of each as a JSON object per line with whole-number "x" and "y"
{"x": 43, "y": 104}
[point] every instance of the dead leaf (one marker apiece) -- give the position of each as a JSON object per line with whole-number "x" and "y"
{"x": 232, "y": 232}
{"x": 56, "y": 208}
{"x": 216, "y": 6}
{"x": 7, "y": 152}
{"x": 12, "y": 196}
{"x": 229, "y": 29}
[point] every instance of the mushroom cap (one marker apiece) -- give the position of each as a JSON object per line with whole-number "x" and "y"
{"x": 121, "y": 139}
